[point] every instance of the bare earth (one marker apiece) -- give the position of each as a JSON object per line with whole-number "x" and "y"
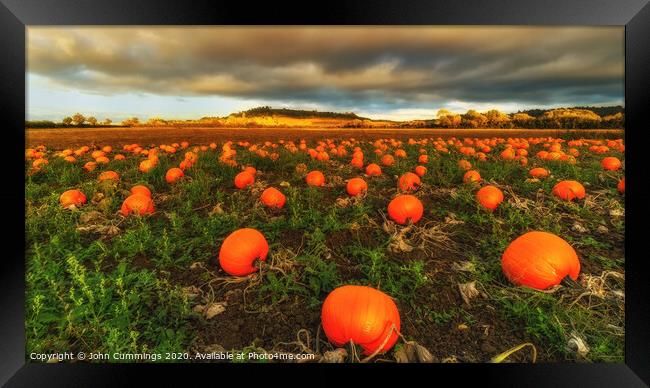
{"x": 74, "y": 137}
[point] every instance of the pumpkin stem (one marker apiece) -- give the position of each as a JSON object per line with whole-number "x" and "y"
{"x": 390, "y": 333}
{"x": 499, "y": 358}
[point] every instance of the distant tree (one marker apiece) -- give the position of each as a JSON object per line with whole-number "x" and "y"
{"x": 442, "y": 113}
{"x": 78, "y": 119}
{"x": 522, "y": 120}
{"x": 67, "y": 120}
{"x": 108, "y": 122}
{"x": 570, "y": 118}
{"x": 450, "y": 121}
{"x": 474, "y": 119}
{"x": 92, "y": 120}
{"x": 133, "y": 121}
{"x": 497, "y": 119}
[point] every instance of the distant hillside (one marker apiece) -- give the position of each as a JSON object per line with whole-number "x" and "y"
{"x": 266, "y": 111}
{"x": 601, "y": 111}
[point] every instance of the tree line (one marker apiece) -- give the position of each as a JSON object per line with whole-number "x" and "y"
{"x": 561, "y": 118}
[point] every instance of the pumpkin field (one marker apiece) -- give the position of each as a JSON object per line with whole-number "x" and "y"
{"x": 371, "y": 248}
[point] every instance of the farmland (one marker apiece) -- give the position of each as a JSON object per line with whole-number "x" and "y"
{"x": 100, "y": 281}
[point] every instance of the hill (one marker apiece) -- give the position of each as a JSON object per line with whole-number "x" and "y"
{"x": 601, "y": 111}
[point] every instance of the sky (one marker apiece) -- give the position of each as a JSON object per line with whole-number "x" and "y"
{"x": 395, "y": 73}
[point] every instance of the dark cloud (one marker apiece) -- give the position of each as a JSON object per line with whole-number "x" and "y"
{"x": 339, "y": 66}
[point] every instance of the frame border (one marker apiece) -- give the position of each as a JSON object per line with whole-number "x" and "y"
{"x": 17, "y": 15}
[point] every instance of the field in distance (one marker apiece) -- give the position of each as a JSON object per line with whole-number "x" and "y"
{"x": 70, "y": 137}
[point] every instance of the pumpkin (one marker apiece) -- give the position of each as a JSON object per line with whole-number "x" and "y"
{"x": 173, "y": 175}
{"x": 404, "y": 208}
{"x": 244, "y": 179}
{"x": 569, "y": 190}
{"x": 409, "y": 182}
{"x": 356, "y": 186}
{"x": 141, "y": 189}
{"x": 538, "y": 172}
{"x": 89, "y": 166}
{"x": 621, "y": 186}
{"x": 373, "y": 169}
{"x": 138, "y": 204}
{"x": 102, "y": 160}
{"x": 147, "y": 165}
{"x": 273, "y": 198}
{"x": 508, "y": 154}
{"x": 464, "y": 164}
{"x": 539, "y": 260}
{"x": 251, "y": 170}
{"x": 357, "y": 162}
{"x": 109, "y": 175}
{"x": 315, "y": 178}
{"x": 471, "y": 176}
{"x": 118, "y": 157}
{"x": 72, "y": 197}
{"x": 420, "y": 170}
{"x": 363, "y": 315}
{"x": 489, "y": 197}
{"x": 241, "y": 249}
{"x": 387, "y": 160}
{"x": 610, "y": 163}
{"x": 423, "y": 159}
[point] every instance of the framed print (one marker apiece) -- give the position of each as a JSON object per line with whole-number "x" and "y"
{"x": 370, "y": 188}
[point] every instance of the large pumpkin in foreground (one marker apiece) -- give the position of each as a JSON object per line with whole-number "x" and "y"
{"x": 539, "y": 260}
{"x": 72, "y": 197}
{"x": 240, "y": 250}
{"x": 362, "y": 315}
{"x": 404, "y": 208}
{"x": 138, "y": 204}
{"x": 569, "y": 190}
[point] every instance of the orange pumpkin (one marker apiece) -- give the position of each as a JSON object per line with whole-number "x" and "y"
{"x": 538, "y": 172}
{"x": 251, "y": 170}
{"x": 173, "y": 175}
{"x": 404, "y": 208}
{"x": 420, "y": 171}
{"x": 489, "y": 197}
{"x": 356, "y": 186}
{"x": 409, "y": 182}
{"x": 387, "y": 160}
{"x": 569, "y": 190}
{"x": 137, "y": 204}
{"x": 273, "y": 198}
{"x": 89, "y": 166}
{"x": 373, "y": 169}
{"x": 147, "y": 165}
{"x": 109, "y": 175}
{"x": 363, "y": 315}
{"x": 244, "y": 179}
{"x": 423, "y": 159}
{"x": 471, "y": 176}
{"x": 611, "y": 163}
{"x": 357, "y": 162}
{"x": 464, "y": 164}
{"x": 241, "y": 249}
{"x": 72, "y": 197}
{"x": 102, "y": 160}
{"x": 141, "y": 189}
{"x": 315, "y": 178}
{"x": 539, "y": 260}
{"x": 621, "y": 186}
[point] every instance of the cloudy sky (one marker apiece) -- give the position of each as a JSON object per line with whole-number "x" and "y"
{"x": 395, "y": 73}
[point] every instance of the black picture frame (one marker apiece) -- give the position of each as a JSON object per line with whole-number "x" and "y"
{"x": 16, "y": 15}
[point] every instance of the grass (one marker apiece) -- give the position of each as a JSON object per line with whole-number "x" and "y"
{"x": 90, "y": 291}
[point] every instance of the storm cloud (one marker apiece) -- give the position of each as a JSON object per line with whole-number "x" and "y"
{"x": 344, "y": 67}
